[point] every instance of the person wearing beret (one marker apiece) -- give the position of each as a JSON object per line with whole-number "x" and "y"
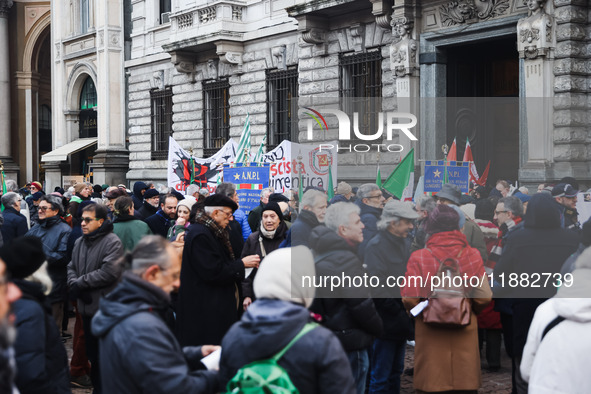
{"x": 209, "y": 297}
{"x": 41, "y": 360}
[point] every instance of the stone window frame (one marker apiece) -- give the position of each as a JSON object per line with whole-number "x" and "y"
{"x": 84, "y": 16}
{"x": 216, "y": 115}
{"x": 282, "y": 93}
{"x": 164, "y": 6}
{"x": 160, "y": 121}
{"x": 354, "y": 88}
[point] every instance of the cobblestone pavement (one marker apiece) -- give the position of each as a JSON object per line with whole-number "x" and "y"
{"x": 492, "y": 382}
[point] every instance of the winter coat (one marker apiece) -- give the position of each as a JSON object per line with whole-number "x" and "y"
{"x": 301, "y": 229}
{"x": 41, "y": 360}
{"x": 14, "y": 226}
{"x": 54, "y": 234}
{"x": 355, "y": 321}
{"x": 139, "y": 354}
{"x": 145, "y": 211}
{"x": 138, "y": 197}
{"x": 540, "y": 247}
{"x": 130, "y": 231}
{"x": 254, "y": 217}
{"x": 569, "y": 264}
{"x": 475, "y": 237}
{"x": 159, "y": 223}
{"x": 241, "y": 218}
{"x": 489, "y": 318}
{"x": 208, "y": 296}
{"x": 96, "y": 266}
{"x": 253, "y": 246}
{"x": 386, "y": 256}
{"x": 369, "y": 216}
{"x": 316, "y": 363}
{"x": 446, "y": 358}
{"x": 557, "y": 363}
{"x": 338, "y": 198}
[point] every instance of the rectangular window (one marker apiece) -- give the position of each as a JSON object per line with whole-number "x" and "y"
{"x": 161, "y": 122}
{"x": 282, "y": 120}
{"x": 84, "y": 16}
{"x": 216, "y": 115}
{"x": 361, "y": 87}
{"x": 164, "y": 11}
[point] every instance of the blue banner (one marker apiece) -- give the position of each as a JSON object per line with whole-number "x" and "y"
{"x": 249, "y": 182}
{"x": 458, "y": 173}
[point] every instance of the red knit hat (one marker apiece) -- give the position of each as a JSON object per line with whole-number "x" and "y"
{"x": 37, "y": 185}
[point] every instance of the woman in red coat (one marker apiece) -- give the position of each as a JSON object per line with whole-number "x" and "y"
{"x": 445, "y": 358}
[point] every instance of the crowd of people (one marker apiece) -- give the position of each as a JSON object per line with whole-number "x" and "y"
{"x": 161, "y": 283}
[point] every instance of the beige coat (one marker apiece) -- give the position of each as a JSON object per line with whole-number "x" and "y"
{"x": 448, "y": 358}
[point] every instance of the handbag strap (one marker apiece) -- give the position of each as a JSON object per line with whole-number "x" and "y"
{"x": 307, "y": 328}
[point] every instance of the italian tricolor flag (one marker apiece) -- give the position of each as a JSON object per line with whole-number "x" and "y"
{"x": 250, "y": 186}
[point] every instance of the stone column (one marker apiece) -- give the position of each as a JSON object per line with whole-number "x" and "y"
{"x": 111, "y": 161}
{"x": 536, "y": 43}
{"x": 10, "y": 167}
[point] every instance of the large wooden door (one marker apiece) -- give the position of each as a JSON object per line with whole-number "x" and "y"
{"x": 483, "y": 106}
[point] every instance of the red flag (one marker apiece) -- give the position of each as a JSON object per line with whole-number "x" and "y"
{"x": 484, "y": 177}
{"x": 452, "y": 154}
{"x": 468, "y": 157}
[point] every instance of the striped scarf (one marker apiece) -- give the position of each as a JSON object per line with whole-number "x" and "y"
{"x": 497, "y": 251}
{"x": 220, "y": 233}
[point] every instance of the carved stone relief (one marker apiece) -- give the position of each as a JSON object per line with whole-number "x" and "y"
{"x": 212, "y": 68}
{"x": 469, "y": 11}
{"x": 358, "y": 37}
{"x": 534, "y": 33}
{"x": 403, "y": 53}
{"x": 279, "y": 56}
{"x": 157, "y": 81}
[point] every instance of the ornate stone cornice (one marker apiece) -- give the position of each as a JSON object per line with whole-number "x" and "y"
{"x": 5, "y": 7}
{"x": 469, "y": 11}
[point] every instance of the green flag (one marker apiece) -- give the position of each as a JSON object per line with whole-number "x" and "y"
{"x": 330, "y": 187}
{"x": 379, "y": 177}
{"x": 243, "y": 150}
{"x": 398, "y": 179}
{"x": 3, "y": 189}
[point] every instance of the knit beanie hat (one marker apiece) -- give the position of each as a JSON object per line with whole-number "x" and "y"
{"x": 443, "y": 218}
{"x": 277, "y": 278}
{"x": 23, "y": 256}
{"x": 273, "y": 206}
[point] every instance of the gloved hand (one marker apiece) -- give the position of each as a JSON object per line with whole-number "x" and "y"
{"x": 85, "y": 297}
{"x": 73, "y": 292}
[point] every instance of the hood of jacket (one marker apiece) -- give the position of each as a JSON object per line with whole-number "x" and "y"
{"x": 574, "y": 302}
{"x": 273, "y": 320}
{"x": 104, "y": 229}
{"x": 131, "y": 296}
{"x": 446, "y": 244}
{"x": 137, "y": 189}
{"x": 30, "y": 290}
{"x": 324, "y": 240}
{"x": 542, "y": 212}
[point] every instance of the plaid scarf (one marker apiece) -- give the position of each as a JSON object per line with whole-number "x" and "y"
{"x": 496, "y": 251}
{"x": 220, "y": 233}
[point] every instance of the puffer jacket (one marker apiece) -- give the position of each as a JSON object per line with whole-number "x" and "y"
{"x": 15, "y": 225}
{"x": 96, "y": 265}
{"x": 54, "y": 234}
{"x": 139, "y": 354}
{"x": 316, "y": 363}
{"x": 348, "y": 311}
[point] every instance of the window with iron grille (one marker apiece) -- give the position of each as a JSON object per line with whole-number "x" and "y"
{"x": 282, "y": 120}
{"x": 161, "y": 122}
{"x": 216, "y": 115}
{"x": 361, "y": 88}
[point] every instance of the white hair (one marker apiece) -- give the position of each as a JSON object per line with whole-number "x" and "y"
{"x": 365, "y": 189}
{"x": 150, "y": 250}
{"x": 310, "y": 198}
{"x": 338, "y": 215}
{"x": 209, "y": 210}
{"x": 192, "y": 189}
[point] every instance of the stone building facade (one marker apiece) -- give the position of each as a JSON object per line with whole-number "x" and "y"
{"x": 512, "y": 77}
{"x": 88, "y": 46}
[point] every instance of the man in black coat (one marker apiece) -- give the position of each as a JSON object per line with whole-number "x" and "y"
{"x": 161, "y": 221}
{"x": 210, "y": 277}
{"x": 386, "y": 256}
{"x": 371, "y": 201}
{"x": 15, "y": 224}
{"x": 347, "y": 310}
{"x": 139, "y": 354}
{"x": 139, "y": 190}
{"x": 150, "y": 205}
{"x": 538, "y": 249}
{"x": 312, "y": 212}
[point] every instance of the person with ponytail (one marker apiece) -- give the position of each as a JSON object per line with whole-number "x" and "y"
{"x": 126, "y": 226}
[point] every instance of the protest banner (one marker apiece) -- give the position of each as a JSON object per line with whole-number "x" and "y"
{"x": 458, "y": 173}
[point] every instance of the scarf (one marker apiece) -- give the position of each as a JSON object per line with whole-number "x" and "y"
{"x": 218, "y": 232}
{"x": 497, "y": 250}
{"x": 268, "y": 234}
{"x": 123, "y": 217}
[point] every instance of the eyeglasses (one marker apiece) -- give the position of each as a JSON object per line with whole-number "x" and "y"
{"x": 499, "y": 212}
{"x": 88, "y": 220}
{"x": 228, "y": 214}
{"x": 33, "y": 188}
{"x": 43, "y": 208}
{"x": 378, "y": 196}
